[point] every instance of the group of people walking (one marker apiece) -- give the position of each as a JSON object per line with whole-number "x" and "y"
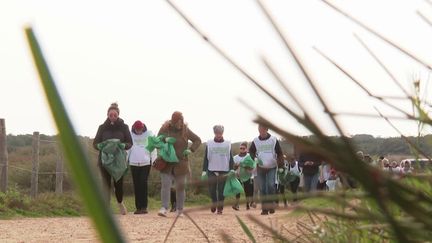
{"x": 218, "y": 161}
{"x": 140, "y": 159}
{"x": 264, "y": 179}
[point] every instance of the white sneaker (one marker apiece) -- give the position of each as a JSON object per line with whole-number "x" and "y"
{"x": 180, "y": 213}
{"x": 122, "y": 208}
{"x": 162, "y": 212}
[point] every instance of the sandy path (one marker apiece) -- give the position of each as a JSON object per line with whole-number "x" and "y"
{"x": 140, "y": 228}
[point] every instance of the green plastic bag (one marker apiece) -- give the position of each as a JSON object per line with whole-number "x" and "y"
{"x": 166, "y": 149}
{"x": 232, "y": 185}
{"x": 244, "y": 174}
{"x": 248, "y": 163}
{"x": 246, "y": 167}
{"x": 154, "y": 142}
{"x": 113, "y": 158}
{"x": 286, "y": 177}
{"x": 168, "y": 153}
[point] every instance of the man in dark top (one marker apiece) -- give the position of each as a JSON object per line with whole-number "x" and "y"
{"x": 310, "y": 163}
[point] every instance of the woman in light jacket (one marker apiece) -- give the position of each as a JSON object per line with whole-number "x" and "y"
{"x": 140, "y": 160}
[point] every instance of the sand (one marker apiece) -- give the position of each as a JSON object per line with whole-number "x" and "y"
{"x": 148, "y": 227}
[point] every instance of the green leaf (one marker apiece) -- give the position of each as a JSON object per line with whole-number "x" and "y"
{"x": 246, "y": 229}
{"x": 76, "y": 157}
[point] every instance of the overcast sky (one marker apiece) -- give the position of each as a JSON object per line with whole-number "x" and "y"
{"x": 142, "y": 55}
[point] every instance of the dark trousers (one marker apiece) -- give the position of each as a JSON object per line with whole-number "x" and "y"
{"x": 322, "y": 186}
{"x": 280, "y": 189}
{"x": 173, "y": 198}
{"x": 248, "y": 189}
{"x": 294, "y": 187}
{"x": 216, "y": 187}
{"x": 118, "y": 186}
{"x": 140, "y": 182}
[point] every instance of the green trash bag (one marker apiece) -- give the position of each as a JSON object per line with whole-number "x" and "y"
{"x": 244, "y": 174}
{"x": 286, "y": 177}
{"x": 248, "y": 163}
{"x": 113, "y": 158}
{"x": 232, "y": 185}
{"x": 154, "y": 142}
{"x": 165, "y": 149}
{"x": 246, "y": 167}
{"x": 168, "y": 153}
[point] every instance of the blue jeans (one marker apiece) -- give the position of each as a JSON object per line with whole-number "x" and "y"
{"x": 216, "y": 187}
{"x": 266, "y": 179}
{"x": 310, "y": 182}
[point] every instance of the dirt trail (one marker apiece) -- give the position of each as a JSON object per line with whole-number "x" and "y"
{"x": 145, "y": 228}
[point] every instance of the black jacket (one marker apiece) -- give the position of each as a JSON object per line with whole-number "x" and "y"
{"x": 309, "y": 169}
{"x": 118, "y": 130}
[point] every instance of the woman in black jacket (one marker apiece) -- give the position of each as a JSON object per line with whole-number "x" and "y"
{"x": 113, "y": 127}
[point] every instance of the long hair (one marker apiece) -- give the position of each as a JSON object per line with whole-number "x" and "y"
{"x": 169, "y": 127}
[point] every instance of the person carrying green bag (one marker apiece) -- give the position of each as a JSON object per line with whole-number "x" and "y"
{"x": 218, "y": 161}
{"x": 232, "y": 185}
{"x": 140, "y": 160}
{"x": 244, "y": 165}
{"x": 113, "y": 128}
{"x": 113, "y": 157}
{"x": 175, "y": 136}
{"x": 165, "y": 146}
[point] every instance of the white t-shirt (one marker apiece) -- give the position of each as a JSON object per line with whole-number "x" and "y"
{"x": 295, "y": 169}
{"x": 265, "y": 151}
{"x": 218, "y": 155}
{"x": 138, "y": 154}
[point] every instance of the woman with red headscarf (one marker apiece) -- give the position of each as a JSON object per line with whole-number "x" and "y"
{"x": 140, "y": 160}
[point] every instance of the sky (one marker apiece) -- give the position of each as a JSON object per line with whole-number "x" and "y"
{"x": 144, "y": 56}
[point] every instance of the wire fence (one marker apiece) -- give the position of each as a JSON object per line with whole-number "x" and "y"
{"x": 34, "y": 171}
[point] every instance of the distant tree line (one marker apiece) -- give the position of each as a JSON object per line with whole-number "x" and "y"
{"x": 19, "y": 149}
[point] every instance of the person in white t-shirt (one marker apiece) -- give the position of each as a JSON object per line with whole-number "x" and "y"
{"x": 218, "y": 161}
{"x": 140, "y": 160}
{"x": 268, "y": 153}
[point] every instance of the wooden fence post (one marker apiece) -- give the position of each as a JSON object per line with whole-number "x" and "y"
{"x": 35, "y": 167}
{"x": 3, "y": 157}
{"x": 59, "y": 172}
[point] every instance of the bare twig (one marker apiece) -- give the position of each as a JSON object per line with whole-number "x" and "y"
{"x": 196, "y": 225}
{"x": 388, "y": 41}
{"x": 381, "y": 64}
{"x": 274, "y": 232}
{"x": 291, "y": 233}
{"x": 424, "y": 18}
{"x": 357, "y": 114}
{"x": 361, "y": 86}
{"x": 310, "y": 126}
{"x": 429, "y": 2}
{"x": 170, "y": 229}
{"x": 301, "y": 65}
{"x": 283, "y": 84}
{"x": 404, "y": 137}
